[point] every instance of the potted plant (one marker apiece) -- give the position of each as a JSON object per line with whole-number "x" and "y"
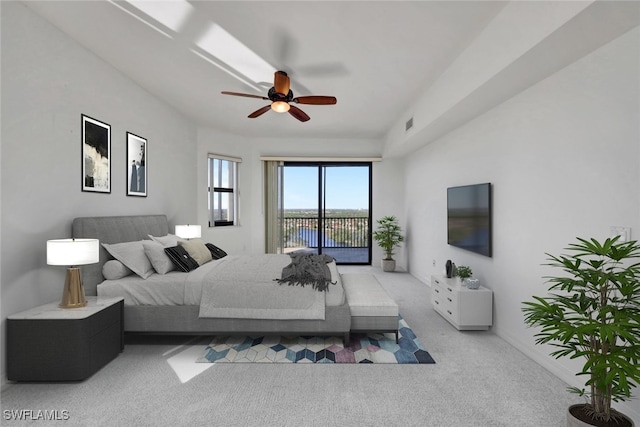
{"x": 593, "y": 311}
{"x": 463, "y": 272}
{"x": 389, "y": 236}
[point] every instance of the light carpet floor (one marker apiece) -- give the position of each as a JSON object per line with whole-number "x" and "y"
{"x": 478, "y": 380}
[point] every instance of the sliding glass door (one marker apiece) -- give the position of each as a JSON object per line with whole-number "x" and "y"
{"x": 327, "y": 210}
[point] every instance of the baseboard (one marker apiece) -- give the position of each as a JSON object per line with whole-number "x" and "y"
{"x": 536, "y": 354}
{"x": 4, "y": 383}
{"x": 423, "y": 279}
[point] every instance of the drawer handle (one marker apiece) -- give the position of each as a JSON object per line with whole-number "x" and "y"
{"x": 450, "y": 300}
{"x": 449, "y": 312}
{"x": 437, "y": 283}
{"x": 449, "y": 289}
{"x": 436, "y": 291}
{"x": 437, "y": 302}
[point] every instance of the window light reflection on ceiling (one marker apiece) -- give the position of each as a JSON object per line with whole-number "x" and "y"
{"x": 172, "y": 14}
{"x": 226, "y": 48}
{"x": 226, "y": 70}
{"x": 216, "y": 45}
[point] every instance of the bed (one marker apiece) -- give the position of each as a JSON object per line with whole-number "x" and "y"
{"x": 164, "y": 311}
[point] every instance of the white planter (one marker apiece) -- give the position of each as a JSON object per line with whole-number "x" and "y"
{"x": 388, "y": 265}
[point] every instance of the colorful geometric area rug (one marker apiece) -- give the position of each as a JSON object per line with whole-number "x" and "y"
{"x": 363, "y": 348}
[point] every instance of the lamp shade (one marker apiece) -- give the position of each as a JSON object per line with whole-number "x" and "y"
{"x": 188, "y": 231}
{"x": 73, "y": 251}
{"x": 280, "y": 106}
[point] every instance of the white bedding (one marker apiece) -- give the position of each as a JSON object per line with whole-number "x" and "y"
{"x": 177, "y": 288}
{"x": 244, "y": 288}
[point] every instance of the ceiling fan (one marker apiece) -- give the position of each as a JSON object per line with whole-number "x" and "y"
{"x": 281, "y": 96}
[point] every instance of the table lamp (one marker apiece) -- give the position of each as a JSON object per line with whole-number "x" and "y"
{"x": 73, "y": 252}
{"x": 188, "y": 231}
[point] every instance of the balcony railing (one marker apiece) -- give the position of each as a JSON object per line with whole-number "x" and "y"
{"x": 338, "y": 232}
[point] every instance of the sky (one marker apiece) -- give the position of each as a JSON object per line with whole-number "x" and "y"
{"x": 347, "y": 187}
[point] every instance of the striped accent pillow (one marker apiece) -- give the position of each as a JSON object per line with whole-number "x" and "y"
{"x": 181, "y": 258}
{"x": 216, "y": 252}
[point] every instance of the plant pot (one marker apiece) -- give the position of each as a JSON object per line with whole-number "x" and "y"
{"x": 575, "y": 411}
{"x": 388, "y": 265}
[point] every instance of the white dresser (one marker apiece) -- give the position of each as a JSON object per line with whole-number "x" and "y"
{"x": 466, "y": 309}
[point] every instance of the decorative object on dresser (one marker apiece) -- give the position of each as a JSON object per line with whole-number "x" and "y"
{"x": 464, "y": 272}
{"x": 389, "y": 236}
{"x": 592, "y": 310}
{"x": 472, "y": 283}
{"x": 73, "y": 252}
{"x": 465, "y": 309}
{"x": 449, "y": 269}
{"x": 48, "y": 343}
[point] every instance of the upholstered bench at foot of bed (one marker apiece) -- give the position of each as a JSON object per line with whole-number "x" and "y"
{"x": 372, "y": 309}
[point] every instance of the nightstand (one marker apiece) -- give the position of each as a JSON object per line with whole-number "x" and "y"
{"x": 49, "y": 343}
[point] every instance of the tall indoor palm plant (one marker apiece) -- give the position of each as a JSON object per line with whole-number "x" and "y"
{"x": 593, "y": 311}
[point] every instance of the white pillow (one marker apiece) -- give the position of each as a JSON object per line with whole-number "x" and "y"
{"x": 161, "y": 263}
{"x": 132, "y": 255}
{"x": 197, "y": 250}
{"x": 114, "y": 269}
{"x": 167, "y": 241}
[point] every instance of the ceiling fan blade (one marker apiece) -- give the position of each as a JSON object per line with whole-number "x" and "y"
{"x": 244, "y": 94}
{"x": 259, "y": 112}
{"x": 298, "y": 113}
{"x": 315, "y": 100}
{"x": 281, "y": 82}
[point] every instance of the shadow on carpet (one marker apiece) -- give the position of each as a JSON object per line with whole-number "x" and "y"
{"x": 363, "y": 348}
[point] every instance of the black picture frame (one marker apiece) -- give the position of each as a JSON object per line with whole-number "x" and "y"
{"x": 96, "y": 155}
{"x": 137, "y": 166}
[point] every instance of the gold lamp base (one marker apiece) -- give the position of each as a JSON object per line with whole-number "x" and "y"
{"x": 73, "y": 294}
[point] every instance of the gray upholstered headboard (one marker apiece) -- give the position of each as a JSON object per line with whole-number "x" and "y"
{"x": 114, "y": 229}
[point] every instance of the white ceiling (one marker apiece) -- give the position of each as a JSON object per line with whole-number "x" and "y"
{"x": 375, "y": 57}
{"x": 379, "y": 58}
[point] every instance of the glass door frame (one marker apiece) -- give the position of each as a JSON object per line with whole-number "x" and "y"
{"x": 322, "y": 165}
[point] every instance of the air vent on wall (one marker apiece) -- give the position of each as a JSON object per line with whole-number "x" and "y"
{"x": 409, "y": 124}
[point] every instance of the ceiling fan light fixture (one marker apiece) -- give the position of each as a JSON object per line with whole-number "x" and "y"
{"x": 280, "y": 106}
{"x": 281, "y": 95}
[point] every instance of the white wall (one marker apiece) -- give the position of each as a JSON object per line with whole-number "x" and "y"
{"x": 248, "y": 237}
{"x": 564, "y": 160}
{"x": 48, "y": 81}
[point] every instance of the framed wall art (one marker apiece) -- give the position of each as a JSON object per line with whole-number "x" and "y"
{"x": 136, "y": 165}
{"x": 96, "y": 155}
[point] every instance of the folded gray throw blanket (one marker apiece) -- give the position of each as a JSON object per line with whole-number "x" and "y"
{"x": 308, "y": 269}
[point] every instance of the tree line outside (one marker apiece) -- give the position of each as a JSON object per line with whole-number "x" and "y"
{"x": 341, "y": 228}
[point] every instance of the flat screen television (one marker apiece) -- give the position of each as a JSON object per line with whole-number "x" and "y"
{"x": 469, "y": 218}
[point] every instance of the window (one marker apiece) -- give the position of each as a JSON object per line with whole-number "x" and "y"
{"x": 223, "y": 190}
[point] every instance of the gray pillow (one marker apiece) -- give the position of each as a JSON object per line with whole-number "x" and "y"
{"x": 132, "y": 255}
{"x": 161, "y": 263}
{"x": 114, "y": 269}
{"x": 167, "y": 241}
